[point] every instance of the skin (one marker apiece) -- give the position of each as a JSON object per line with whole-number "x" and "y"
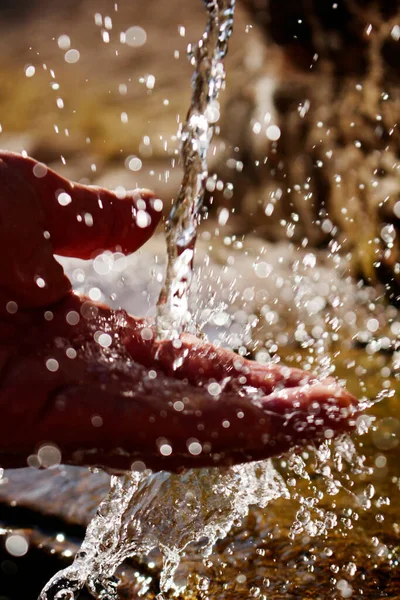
{"x": 163, "y": 405}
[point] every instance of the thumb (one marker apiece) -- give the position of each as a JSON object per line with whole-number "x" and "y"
{"x": 84, "y": 220}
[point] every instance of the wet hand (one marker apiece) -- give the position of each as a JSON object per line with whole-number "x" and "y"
{"x": 87, "y": 385}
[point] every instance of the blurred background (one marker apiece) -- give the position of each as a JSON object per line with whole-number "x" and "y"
{"x": 89, "y": 83}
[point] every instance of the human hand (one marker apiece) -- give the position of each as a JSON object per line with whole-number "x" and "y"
{"x": 94, "y": 383}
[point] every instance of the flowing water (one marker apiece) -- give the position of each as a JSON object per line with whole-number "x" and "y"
{"x": 145, "y": 512}
{"x": 208, "y": 79}
{"x": 166, "y": 512}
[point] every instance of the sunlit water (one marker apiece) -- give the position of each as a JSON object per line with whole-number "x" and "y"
{"x": 208, "y": 79}
{"x": 169, "y": 512}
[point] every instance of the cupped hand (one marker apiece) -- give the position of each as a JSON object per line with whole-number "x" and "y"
{"x": 84, "y": 384}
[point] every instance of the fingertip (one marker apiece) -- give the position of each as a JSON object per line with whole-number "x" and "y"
{"x": 88, "y": 219}
{"x": 137, "y": 214}
{"x": 309, "y": 410}
{"x": 100, "y": 219}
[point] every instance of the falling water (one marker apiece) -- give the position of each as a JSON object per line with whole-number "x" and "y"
{"x": 167, "y": 512}
{"x": 208, "y": 79}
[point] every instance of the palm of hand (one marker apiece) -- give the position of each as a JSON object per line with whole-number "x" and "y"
{"x": 123, "y": 402}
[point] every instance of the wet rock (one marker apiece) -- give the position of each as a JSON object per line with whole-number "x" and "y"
{"x": 70, "y": 493}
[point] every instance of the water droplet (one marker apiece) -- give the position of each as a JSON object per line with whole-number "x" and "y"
{"x": 165, "y": 450}
{"x": 104, "y": 340}
{"x": 157, "y": 204}
{"x": 214, "y": 389}
{"x": 52, "y": 365}
{"x": 223, "y": 217}
{"x": 40, "y": 170}
{"x": 64, "y": 199}
{"x": 11, "y": 307}
{"x": 195, "y": 448}
{"x": 95, "y": 294}
{"x": 16, "y": 545}
{"x": 135, "y": 36}
{"x": 72, "y": 56}
{"x": 273, "y": 133}
{"x": 150, "y": 82}
{"x": 64, "y": 42}
{"x": 146, "y": 333}
{"x": 133, "y": 163}
{"x": 386, "y": 436}
{"x": 395, "y": 33}
{"x": 262, "y": 269}
{"x": 203, "y": 584}
{"x": 30, "y": 71}
{"x": 344, "y": 588}
{"x": 143, "y": 219}
{"x": 72, "y": 317}
{"x": 49, "y": 456}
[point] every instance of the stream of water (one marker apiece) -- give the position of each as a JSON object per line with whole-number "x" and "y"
{"x": 208, "y": 79}
{"x": 168, "y": 512}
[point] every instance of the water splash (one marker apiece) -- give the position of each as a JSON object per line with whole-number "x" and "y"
{"x": 337, "y": 464}
{"x": 168, "y": 512}
{"x": 164, "y": 511}
{"x": 208, "y": 79}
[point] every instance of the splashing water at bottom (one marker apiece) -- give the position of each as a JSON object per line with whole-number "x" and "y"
{"x": 163, "y": 511}
{"x": 168, "y": 512}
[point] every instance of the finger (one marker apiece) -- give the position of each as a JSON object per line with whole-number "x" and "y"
{"x": 30, "y": 276}
{"x": 146, "y": 420}
{"x": 84, "y": 220}
{"x": 312, "y": 412}
{"x": 114, "y": 414}
{"x": 149, "y": 429}
{"x": 199, "y": 362}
